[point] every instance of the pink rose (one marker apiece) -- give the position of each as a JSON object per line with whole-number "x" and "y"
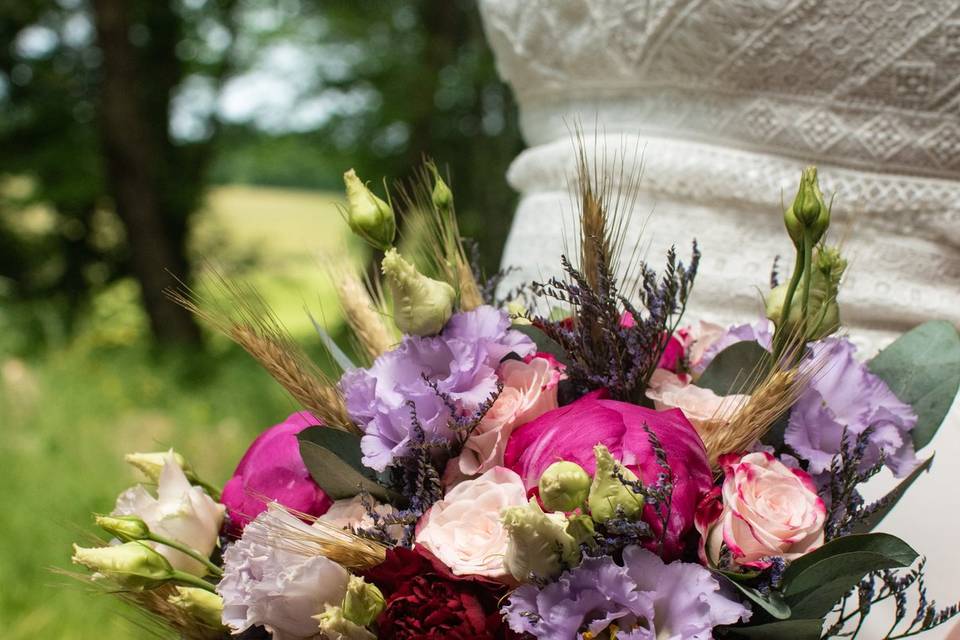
{"x": 529, "y": 391}
{"x": 764, "y": 509}
{"x": 570, "y": 433}
{"x": 272, "y": 469}
{"x": 464, "y": 529}
{"x": 704, "y": 408}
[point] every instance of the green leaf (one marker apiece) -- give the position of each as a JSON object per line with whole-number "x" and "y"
{"x": 544, "y": 343}
{"x": 813, "y": 583}
{"x": 892, "y": 498}
{"x": 736, "y": 369}
{"x": 783, "y": 630}
{"x": 772, "y": 604}
{"x": 922, "y": 368}
{"x": 333, "y": 458}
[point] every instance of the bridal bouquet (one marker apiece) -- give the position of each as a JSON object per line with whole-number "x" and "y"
{"x": 577, "y": 461}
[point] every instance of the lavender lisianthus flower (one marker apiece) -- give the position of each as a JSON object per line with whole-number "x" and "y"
{"x": 844, "y": 394}
{"x": 644, "y": 599}
{"x": 458, "y": 365}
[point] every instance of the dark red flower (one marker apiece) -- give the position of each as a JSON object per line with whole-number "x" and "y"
{"x": 426, "y": 601}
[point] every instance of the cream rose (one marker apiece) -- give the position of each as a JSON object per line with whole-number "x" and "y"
{"x": 464, "y": 530}
{"x": 768, "y": 510}
{"x": 529, "y": 391}
{"x": 702, "y": 407}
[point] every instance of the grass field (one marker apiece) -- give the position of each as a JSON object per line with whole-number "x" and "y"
{"x": 68, "y": 417}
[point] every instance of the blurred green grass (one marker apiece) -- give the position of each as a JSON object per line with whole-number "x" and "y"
{"x": 68, "y": 416}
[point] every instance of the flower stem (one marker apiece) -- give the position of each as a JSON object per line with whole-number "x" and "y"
{"x": 787, "y": 303}
{"x": 173, "y": 544}
{"x": 807, "y": 274}
{"x": 193, "y": 581}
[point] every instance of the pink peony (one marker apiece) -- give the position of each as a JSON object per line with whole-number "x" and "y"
{"x": 764, "y": 509}
{"x": 529, "y": 391}
{"x": 272, "y": 469}
{"x": 570, "y": 433}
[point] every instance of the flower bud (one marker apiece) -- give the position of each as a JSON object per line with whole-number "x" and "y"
{"x": 421, "y": 305}
{"x": 200, "y": 604}
{"x": 132, "y": 565}
{"x": 823, "y": 312}
{"x": 126, "y": 528}
{"x": 538, "y": 543}
{"x": 808, "y": 211}
{"x": 363, "y": 602}
{"x": 151, "y": 464}
{"x": 334, "y": 625}
{"x": 368, "y": 216}
{"x": 582, "y": 529}
{"x": 564, "y": 486}
{"x": 609, "y": 496}
{"x": 442, "y": 195}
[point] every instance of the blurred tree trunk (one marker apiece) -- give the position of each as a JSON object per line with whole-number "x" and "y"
{"x": 138, "y": 155}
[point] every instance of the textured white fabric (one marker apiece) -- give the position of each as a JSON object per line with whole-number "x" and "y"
{"x": 726, "y": 100}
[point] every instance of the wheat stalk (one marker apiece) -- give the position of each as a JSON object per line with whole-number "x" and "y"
{"x": 364, "y": 312}
{"x": 239, "y": 312}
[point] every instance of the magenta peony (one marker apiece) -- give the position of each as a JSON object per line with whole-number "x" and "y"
{"x": 570, "y": 433}
{"x": 272, "y": 468}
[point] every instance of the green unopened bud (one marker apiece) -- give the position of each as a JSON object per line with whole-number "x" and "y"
{"x": 151, "y": 464}
{"x": 442, "y": 195}
{"x": 823, "y": 312}
{"x": 808, "y": 211}
{"x": 564, "y": 486}
{"x": 421, "y": 305}
{"x": 363, "y": 602}
{"x": 538, "y": 544}
{"x": 200, "y": 604}
{"x": 582, "y": 529}
{"x": 334, "y": 625}
{"x": 609, "y": 496}
{"x": 368, "y": 216}
{"x": 132, "y": 565}
{"x": 831, "y": 264}
{"x": 126, "y": 528}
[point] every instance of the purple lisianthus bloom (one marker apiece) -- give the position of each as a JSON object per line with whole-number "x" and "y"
{"x": 645, "y": 599}
{"x": 844, "y": 394}
{"x": 456, "y": 367}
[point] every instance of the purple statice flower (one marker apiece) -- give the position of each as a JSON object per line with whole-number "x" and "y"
{"x": 760, "y": 331}
{"x": 452, "y": 371}
{"x": 644, "y": 599}
{"x": 843, "y": 394}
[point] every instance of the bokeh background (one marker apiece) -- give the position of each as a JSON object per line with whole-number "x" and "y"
{"x": 145, "y": 140}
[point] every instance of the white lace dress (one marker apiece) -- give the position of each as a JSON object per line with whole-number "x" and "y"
{"x": 726, "y": 101}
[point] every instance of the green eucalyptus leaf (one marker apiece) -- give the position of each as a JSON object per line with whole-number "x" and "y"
{"x": 922, "y": 368}
{"x": 772, "y": 604}
{"x": 333, "y": 458}
{"x": 544, "y": 343}
{"x": 813, "y": 583}
{"x": 892, "y": 498}
{"x": 736, "y": 369}
{"x": 783, "y": 630}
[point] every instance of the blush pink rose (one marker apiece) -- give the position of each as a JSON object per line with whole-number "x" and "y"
{"x": 464, "y": 530}
{"x": 704, "y": 408}
{"x": 764, "y": 509}
{"x": 529, "y": 391}
{"x": 272, "y": 469}
{"x": 571, "y": 432}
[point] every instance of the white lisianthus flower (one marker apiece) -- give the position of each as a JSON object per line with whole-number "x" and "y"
{"x": 181, "y": 512}
{"x": 269, "y": 583}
